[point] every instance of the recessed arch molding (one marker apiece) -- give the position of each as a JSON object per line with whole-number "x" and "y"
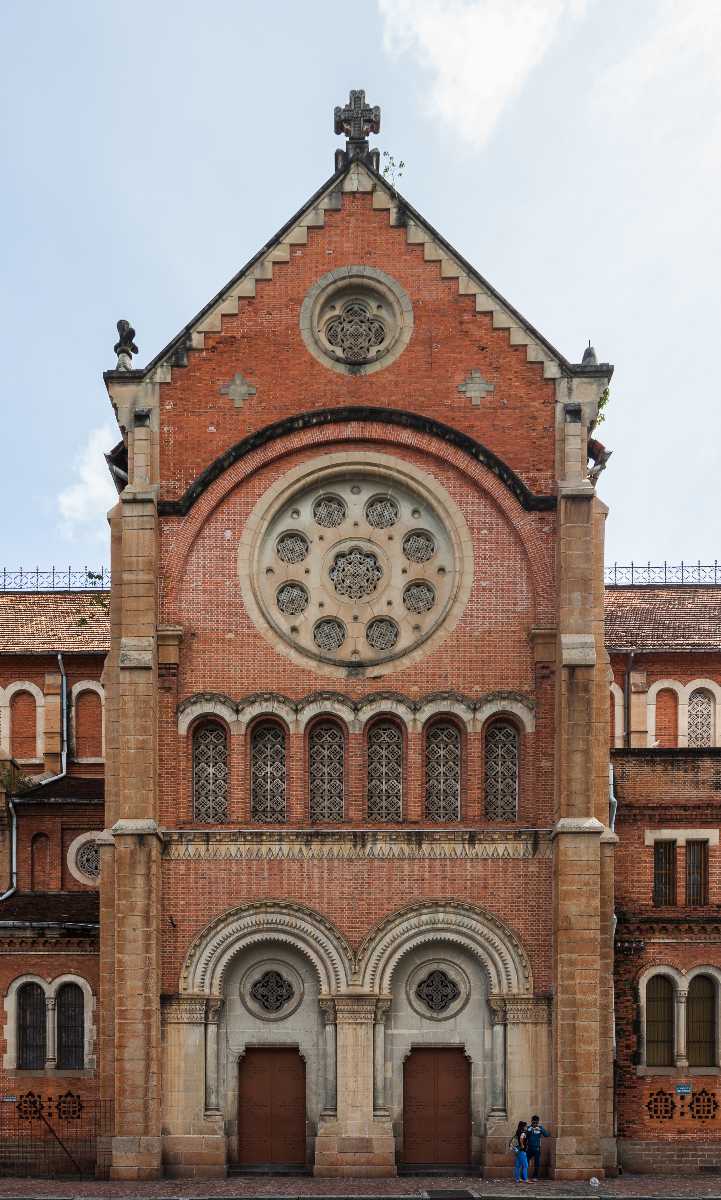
{"x": 531, "y": 501}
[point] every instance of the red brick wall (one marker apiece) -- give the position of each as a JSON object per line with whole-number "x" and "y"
{"x": 666, "y": 718}
{"x": 23, "y": 725}
{"x": 88, "y": 714}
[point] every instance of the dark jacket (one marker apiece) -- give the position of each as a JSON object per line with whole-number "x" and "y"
{"x": 534, "y": 1133}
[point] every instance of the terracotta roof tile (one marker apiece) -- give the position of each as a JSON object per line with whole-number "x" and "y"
{"x": 663, "y": 618}
{"x": 76, "y": 908}
{"x": 48, "y": 622}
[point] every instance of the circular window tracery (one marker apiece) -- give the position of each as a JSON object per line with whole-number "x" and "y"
{"x": 350, "y": 531}
{"x": 356, "y": 319}
{"x": 87, "y": 859}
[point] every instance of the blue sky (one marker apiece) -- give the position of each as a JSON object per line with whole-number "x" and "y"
{"x": 571, "y": 149}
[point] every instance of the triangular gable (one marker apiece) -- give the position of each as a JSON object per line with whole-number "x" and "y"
{"x": 357, "y": 176}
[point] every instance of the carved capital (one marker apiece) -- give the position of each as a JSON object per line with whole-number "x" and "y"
{"x": 520, "y": 1010}
{"x": 182, "y": 1010}
{"x": 355, "y": 1009}
{"x": 383, "y": 1005}
{"x": 327, "y": 1009}
{"x": 213, "y": 1009}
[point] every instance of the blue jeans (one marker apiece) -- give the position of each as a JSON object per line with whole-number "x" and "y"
{"x": 534, "y": 1159}
{"x": 521, "y": 1168}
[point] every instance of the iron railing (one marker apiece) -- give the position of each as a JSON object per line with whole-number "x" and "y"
{"x": 644, "y": 574}
{"x": 64, "y": 579}
{"x": 54, "y": 1136}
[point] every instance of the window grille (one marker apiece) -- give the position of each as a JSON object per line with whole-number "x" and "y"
{"x": 326, "y": 754}
{"x": 659, "y": 1022}
{"x": 385, "y": 772}
{"x": 272, "y": 991}
{"x": 701, "y": 1022}
{"x": 32, "y": 1027}
{"x": 438, "y": 991}
{"x": 87, "y": 859}
{"x": 210, "y": 774}
{"x": 664, "y": 873}
{"x": 501, "y": 782}
{"x": 696, "y": 873}
{"x": 700, "y": 719}
{"x": 267, "y": 801}
{"x": 443, "y": 773}
{"x": 70, "y": 1012}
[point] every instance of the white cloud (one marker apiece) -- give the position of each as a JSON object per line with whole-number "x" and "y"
{"x": 84, "y": 504}
{"x": 479, "y": 52}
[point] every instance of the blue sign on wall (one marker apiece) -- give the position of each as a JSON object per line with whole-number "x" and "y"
{"x": 683, "y": 1089}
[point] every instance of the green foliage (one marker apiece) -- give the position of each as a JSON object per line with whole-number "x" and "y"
{"x": 602, "y": 404}
{"x": 392, "y": 170}
{"x": 11, "y": 780}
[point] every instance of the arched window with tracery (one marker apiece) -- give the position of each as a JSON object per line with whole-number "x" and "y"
{"x": 31, "y": 1027}
{"x": 267, "y": 772}
{"x": 701, "y": 1022}
{"x": 659, "y": 1022}
{"x": 70, "y": 1016}
{"x": 326, "y": 769}
{"x": 385, "y": 771}
{"x": 501, "y": 772}
{"x": 23, "y": 726}
{"x": 443, "y": 772}
{"x": 210, "y": 773}
{"x": 88, "y": 711}
{"x": 700, "y": 719}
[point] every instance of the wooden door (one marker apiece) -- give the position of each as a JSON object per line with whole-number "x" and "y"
{"x": 271, "y": 1109}
{"x": 437, "y": 1108}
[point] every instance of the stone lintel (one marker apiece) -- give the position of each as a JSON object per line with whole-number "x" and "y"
{"x": 136, "y": 827}
{"x": 580, "y": 489}
{"x": 575, "y": 825}
{"x": 578, "y": 650}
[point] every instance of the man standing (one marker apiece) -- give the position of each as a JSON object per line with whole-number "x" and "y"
{"x": 534, "y": 1133}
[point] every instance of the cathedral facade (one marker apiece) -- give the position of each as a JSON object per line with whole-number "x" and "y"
{"x": 347, "y": 902}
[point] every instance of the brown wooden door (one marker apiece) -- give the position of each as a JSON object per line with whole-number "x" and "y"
{"x": 437, "y": 1108}
{"x": 271, "y": 1109}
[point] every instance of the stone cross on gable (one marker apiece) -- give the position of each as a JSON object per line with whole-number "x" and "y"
{"x": 356, "y": 120}
{"x": 239, "y": 389}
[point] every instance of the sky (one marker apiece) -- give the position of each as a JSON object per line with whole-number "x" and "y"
{"x": 570, "y": 149}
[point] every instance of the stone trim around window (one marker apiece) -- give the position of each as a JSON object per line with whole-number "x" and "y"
{"x": 384, "y": 313}
{"x": 51, "y": 990}
{"x": 75, "y": 868}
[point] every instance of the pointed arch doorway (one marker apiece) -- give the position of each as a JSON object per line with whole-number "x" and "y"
{"x": 436, "y": 1108}
{"x": 271, "y": 1109}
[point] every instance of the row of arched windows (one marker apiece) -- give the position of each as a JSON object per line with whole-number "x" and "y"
{"x": 37, "y": 1022}
{"x": 678, "y": 715}
{"x": 443, "y": 755}
{"x": 26, "y": 731}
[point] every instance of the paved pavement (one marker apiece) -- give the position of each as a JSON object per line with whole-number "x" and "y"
{"x": 268, "y": 1187}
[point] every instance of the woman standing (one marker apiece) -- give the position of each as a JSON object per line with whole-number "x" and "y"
{"x": 519, "y": 1145}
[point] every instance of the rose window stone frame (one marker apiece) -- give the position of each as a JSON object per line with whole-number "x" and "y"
{"x": 355, "y": 574}
{"x": 460, "y": 989}
{"x": 356, "y": 320}
{"x": 252, "y": 981}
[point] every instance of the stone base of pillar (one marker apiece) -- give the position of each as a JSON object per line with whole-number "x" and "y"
{"x": 609, "y": 1156}
{"x": 496, "y": 1157}
{"x": 368, "y": 1152}
{"x": 187, "y": 1156}
{"x": 136, "y": 1158}
{"x": 577, "y": 1158}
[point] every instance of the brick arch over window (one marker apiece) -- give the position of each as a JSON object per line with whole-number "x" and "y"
{"x": 88, "y": 720}
{"x": 210, "y": 772}
{"x": 40, "y": 862}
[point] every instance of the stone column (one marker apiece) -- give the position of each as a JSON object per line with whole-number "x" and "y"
{"x": 327, "y": 1008}
{"x": 380, "y": 1105}
{"x": 51, "y": 1056}
{"x": 213, "y": 1010}
{"x": 681, "y": 1055}
{"x": 498, "y": 1059}
{"x": 355, "y": 1142}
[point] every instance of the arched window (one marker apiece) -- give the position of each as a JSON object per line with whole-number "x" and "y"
{"x": 385, "y": 771}
{"x": 23, "y": 740}
{"x": 501, "y": 775}
{"x": 443, "y": 772}
{"x": 210, "y": 773}
{"x": 659, "y": 1022}
{"x": 70, "y": 1016}
{"x": 88, "y": 725}
{"x": 40, "y": 862}
{"x": 700, "y": 719}
{"x": 701, "y": 1022}
{"x": 32, "y": 1027}
{"x": 267, "y": 772}
{"x": 326, "y": 760}
{"x": 666, "y": 719}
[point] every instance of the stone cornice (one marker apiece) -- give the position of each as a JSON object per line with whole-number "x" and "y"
{"x": 354, "y": 844}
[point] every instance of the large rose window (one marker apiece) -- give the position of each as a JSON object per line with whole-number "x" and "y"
{"x": 357, "y": 567}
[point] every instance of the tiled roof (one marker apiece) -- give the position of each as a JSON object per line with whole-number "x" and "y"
{"x": 663, "y": 618}
{"x": 73, "y": 908}
{"x": 67, "y": 787}
{"x": 48, "y": 622}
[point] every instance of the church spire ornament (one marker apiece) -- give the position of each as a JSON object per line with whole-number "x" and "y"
{"x": 357, "y": 120}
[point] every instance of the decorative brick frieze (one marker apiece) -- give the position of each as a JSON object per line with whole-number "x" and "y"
{"x": 222, "y": 845}
{"x": 521, "y": 1010}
